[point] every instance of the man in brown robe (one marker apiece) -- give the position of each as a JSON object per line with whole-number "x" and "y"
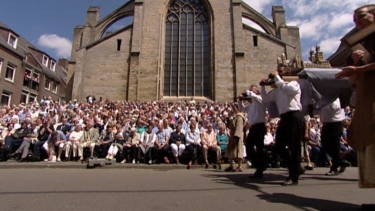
{"x": 361, "y": 133}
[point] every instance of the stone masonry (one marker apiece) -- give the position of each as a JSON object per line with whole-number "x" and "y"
{"x": 240, "y": 55}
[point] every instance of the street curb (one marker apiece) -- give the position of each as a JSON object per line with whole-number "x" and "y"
{"x": 72, "y": 165}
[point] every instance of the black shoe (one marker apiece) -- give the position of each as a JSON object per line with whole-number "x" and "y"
{"x": 14, "y": 154}
{"x": 256, "y": 175}
{"x": 21, "y": 160}
{"x": 309, "y": 168}
{"x": 289, "y": 182}
{"x": 228, "y": 169}
{"x": 332, "y": 173}
{"x": 343, "y": 166}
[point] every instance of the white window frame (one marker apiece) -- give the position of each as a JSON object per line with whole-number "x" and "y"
{"x": 1, "y": 66}
{"x": 14, "y": 45}
{"x": 53, "y": 65}
{"x": 49, "y": 84}
{"x": 26, "y": 94}
{"x": 7, "y": 94}
{"x": 14, "y": 72}
{"x": 46, "y": 60}
{"x": 54, "y": 87}
{"x": 31, "y": 96}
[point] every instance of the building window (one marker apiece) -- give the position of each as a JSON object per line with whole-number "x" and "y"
{"x": 12, "y": 40}
{"x": 27, "y": 78}
{"x": 24, "y": 97}
{"x": 27, "y": 97}
{"x": 5, "y": 98}
{"x": 10, "y": 72}
{"x": 187, "y": 69}
{"x": 32, "y": 98}
{"x": 53, "y": 65}
{"x": 255, "y": 41}
{"x": 45, "y": 60}
{"x": 47, "y": 85}
{"x": 35, "y": 82}
{"x": 54, "y": 87}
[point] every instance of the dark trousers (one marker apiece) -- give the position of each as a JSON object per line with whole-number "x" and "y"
{"x": 10, "y": 143}
{"x": 190, "y": 151}
{"x": 104, "y": 150}
{"x": 133, "y": 151}
{"x": 331, "y": 136}
{"x": 37, "y": 146}
{"x": 161, "y": 153}
{"x": 289, "y": 135}
{"x": 256, "y": 138}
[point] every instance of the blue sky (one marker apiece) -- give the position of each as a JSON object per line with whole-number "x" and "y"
{"x": 49, "y": 24}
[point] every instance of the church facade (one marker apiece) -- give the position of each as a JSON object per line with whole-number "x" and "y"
{"x": 177, "y": 50}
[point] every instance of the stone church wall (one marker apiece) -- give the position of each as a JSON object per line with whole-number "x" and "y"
{"x": 260, "y": 60}
{"x": 105, "y": 70}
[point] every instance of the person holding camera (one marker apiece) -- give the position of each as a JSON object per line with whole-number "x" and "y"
{"x": 44, "y": 131}
{"x": 290, "y": 132}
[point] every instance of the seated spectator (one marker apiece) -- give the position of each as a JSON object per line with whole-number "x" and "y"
{"x": 222, "y": 138}
{"x": 44, "y": 131}
{"x": 30, "y": 138}
{"x": 177, "y": 143}
{"x": 132, "y": 144}
{"x": 64, "y": 126}
{"x": 8, "y": 131}
{"x": 314, "y": 144}
{"x": 147, "y": 143}
{"x": 90, "y": 139}
{"x": 54, "y": 140}
{"x": 116, "y": 146}
{"x": 193, "y": 141}
{"x": 162, "y": 143}
{"x": 16, "y": 139}
{"x": 106, "y": 139}
{"x": 210, "y": 143}
{"x": 269, "y": 147}
{"x": 74, "y": 141}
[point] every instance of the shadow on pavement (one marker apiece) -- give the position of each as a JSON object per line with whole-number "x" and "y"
{"x": 302, "y": 203}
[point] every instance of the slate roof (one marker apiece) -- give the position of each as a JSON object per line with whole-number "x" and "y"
{"x": 25, "y": 47}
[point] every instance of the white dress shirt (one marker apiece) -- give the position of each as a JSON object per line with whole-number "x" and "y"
{"x": 332, "y": 112}
{"x": 268, "y": 139}
{"x": 287, "y": 95}
{"x": 146, "y": 137}
{"x": 255, "y": 110}
{"x": 192, "y": 137}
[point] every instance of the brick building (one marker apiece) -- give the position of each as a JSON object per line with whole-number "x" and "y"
{"x": 26, "y": 73}
{"x": 177, "y": 49}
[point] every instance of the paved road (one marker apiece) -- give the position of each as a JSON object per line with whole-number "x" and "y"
{"x": 181, "y": 189}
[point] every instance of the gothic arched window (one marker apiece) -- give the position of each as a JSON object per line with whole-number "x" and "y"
{"x": 187, "y": 69}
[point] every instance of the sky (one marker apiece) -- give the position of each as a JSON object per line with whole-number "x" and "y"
{"x": 49, "y": 24}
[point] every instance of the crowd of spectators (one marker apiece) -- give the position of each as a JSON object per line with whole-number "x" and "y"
{"x": 132, "y": 132}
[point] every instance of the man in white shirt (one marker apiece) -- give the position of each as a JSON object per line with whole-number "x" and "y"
{"x": 332, "y": 115}
{"x": 256, "y": 111}
{"x": 290, "y": 132}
